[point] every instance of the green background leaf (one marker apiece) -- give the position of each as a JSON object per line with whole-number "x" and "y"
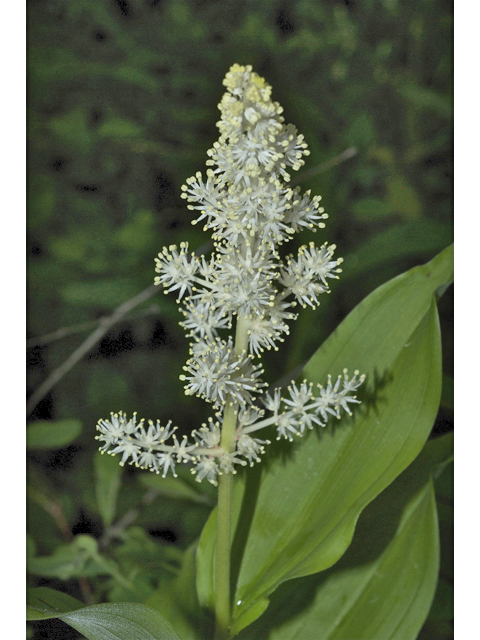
{"x": 52, "y": 435}
{"x": 176, "y": 488}
{"x": 79, "y": 558}
{"x": 44, "y": 603}
{"x": 176, "y": 599}
{"x": 108, "y": 476}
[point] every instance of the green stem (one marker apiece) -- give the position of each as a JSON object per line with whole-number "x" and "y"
{"x": 224, "y": 535}
{"x": 224, "y": 509}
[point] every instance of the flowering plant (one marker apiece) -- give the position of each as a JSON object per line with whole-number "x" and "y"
{"x": 297, "y": 517}
{"x": 247, "y": 204}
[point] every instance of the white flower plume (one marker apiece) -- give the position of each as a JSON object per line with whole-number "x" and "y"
{"x": 245, "y": 202}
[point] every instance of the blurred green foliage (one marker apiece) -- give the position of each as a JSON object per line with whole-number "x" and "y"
{"x": 121, "y": 110}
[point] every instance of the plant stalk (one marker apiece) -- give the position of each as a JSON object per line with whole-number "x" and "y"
{"x": 224, "y": 510}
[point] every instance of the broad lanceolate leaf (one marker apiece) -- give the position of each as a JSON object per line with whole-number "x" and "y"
{"x": 383, "y": 586}
{"x": 52, "y": 435}
{"x": 300, "y": 519}
{"x": 116, "y": 621}
{"x": 120, "y": 621}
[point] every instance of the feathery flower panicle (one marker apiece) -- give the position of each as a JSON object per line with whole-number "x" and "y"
{"x": 245, "y": 202}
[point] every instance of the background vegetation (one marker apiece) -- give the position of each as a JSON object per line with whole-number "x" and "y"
{"x": 121, "y": 110}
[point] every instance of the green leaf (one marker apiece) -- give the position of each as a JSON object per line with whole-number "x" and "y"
{"x": 116, "y": 621}
{"x": 107, "y": 293}
{"x": 176, "y": 598}
{"x": 402, "y": 197}
{"x": 77, "y": 559}
{"x": 69, "y": 560}
{"x": 52, "y": 435}
{"x": 72, "y": 130}
{"x": 304, "y": 515}
{"x": 143, "y": 561}
{"x": 383, "y": 586}
{"x": 108, "y": 475}
{"x": 371, "y": 208}
{"x": 422, "y": 97}
{"x": 120, "y": 621}
{"x": 44, "y": 603}
{"x": 119, "y": 128}
{"x": 174, "y": 488}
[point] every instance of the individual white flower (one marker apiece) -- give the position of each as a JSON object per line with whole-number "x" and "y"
{"x": 206, "y": 467}
{"x": 227, "y": 461}
{"x": 207, "y": 195}
{"x": 250, "y": 448}
{"x": 110, "y": 430}
{"x": 183, "y": 449}
{"x": 348, "y": 386}
{"x": 302, "y": 275}
{"x": 248, "y": 416}
{"x": 203, "y": 321}
{"x": 305, "y": 212}
{"x": 299, "y": 396}
{"x": 293, "y": 148}
{"x": 288, "y": 425}
{"x": 218, "y": 375}
{"x": 327, "y": 401}
{"x": 149, "y": 460}
{"x": 129, "y": 449}
{"x": 300, "y": 402}
{"x": 208, "y": 437}
{"x": 116, "y": 429}
{"x": 155, "y": 434}
{"x": 176, "y": 269}
{"x": 318, "y": 262}
{"x": 273, "y": 402}
{"x": 166, "y": 461}
{"x": 263, "y": 334}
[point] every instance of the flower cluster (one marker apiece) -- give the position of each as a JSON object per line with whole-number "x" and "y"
{"x": 245, "y": 202}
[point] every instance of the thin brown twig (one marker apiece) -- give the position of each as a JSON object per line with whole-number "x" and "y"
{"x": 66, "y": 332}
{"x": 104, "y": 326}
